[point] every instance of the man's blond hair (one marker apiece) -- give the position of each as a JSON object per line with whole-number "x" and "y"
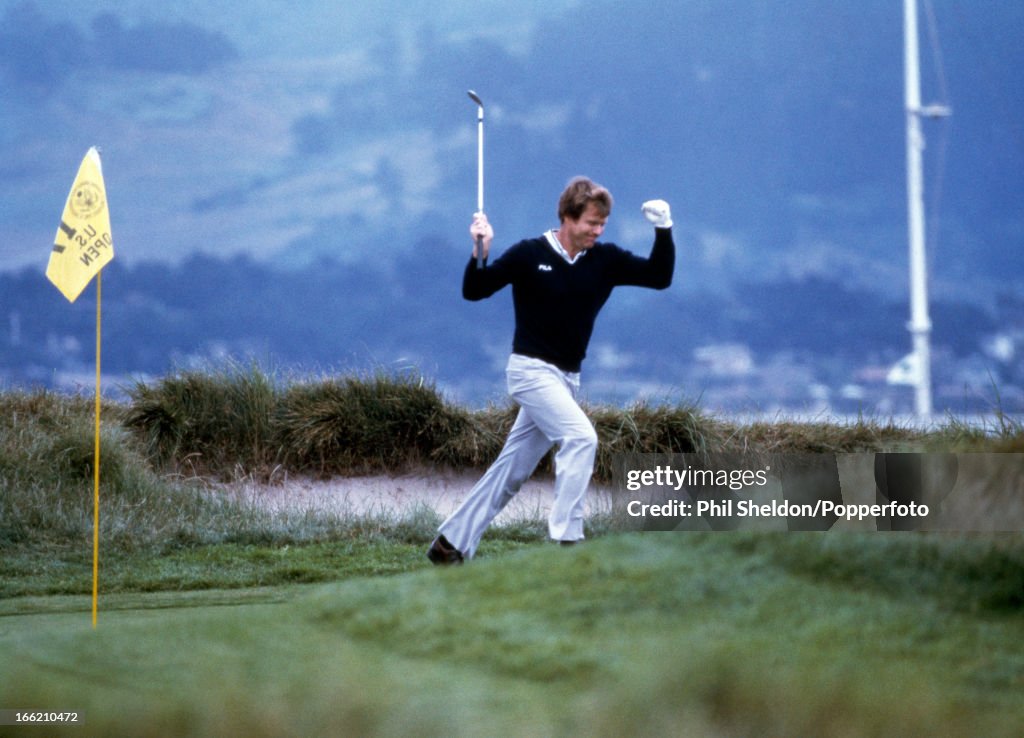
{"x": 580, "y": 192}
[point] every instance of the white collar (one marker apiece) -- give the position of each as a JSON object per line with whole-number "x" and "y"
{"x": 560, "y": 249}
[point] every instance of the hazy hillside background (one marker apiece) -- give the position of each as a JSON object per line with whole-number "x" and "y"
{"x": 293, "y": 181}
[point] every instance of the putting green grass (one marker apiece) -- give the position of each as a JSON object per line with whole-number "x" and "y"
{"x": 651, "y": 634}
{"x": 44, "y": 571}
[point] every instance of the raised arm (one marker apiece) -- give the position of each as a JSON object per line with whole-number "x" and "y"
{"x": 656, "y": 270}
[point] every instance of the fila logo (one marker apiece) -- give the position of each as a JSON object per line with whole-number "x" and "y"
{"x": 544, "y": 267}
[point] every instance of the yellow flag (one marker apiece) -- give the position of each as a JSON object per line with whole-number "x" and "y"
{"x": 83, "y": 244}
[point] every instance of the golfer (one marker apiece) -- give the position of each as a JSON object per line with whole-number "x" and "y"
{"x": 559, "y": 282}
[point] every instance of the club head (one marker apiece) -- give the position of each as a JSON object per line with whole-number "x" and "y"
{"x": 476, "y": 98}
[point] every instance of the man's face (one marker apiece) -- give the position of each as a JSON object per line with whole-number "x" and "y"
{"x": 582, "y": 233}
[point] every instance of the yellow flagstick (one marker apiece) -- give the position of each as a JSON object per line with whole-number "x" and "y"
{"x": 81, "y": 248}
{"x": 96, "y": 461}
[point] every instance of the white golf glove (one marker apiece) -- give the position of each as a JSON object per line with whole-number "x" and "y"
{"x": 658, "y": 213}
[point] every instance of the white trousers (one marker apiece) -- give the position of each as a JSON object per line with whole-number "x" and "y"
{"x": 548, "y": 415}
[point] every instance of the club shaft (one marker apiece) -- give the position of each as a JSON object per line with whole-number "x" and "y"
{"x": 479, "y": 172}
{"x": 480, "y": 159}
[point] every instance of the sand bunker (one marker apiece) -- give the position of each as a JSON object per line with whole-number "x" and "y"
{"x": 441, "y": 491}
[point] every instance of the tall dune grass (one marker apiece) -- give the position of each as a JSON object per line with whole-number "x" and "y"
{"x": 207, "y": 421}
{"x": 242, "y": 421}
{"x": 46, "y": 478}
{"x": 351, "y": 425}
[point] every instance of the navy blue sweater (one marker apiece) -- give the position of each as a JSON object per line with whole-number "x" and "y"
{"x": 556, "y": 303}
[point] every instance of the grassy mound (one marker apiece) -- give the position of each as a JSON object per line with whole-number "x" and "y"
{"x": 633, "y": 634}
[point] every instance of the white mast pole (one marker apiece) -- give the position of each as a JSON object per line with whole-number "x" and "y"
{"x": 920, "y": 325}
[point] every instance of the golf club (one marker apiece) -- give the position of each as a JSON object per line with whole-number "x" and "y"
{"x": 479, "y": 172}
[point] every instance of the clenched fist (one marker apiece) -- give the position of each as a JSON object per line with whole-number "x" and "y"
{"x": 657, "y": 212}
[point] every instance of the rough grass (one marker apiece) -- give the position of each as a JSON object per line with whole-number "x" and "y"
{"x": 46, "y": 478}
